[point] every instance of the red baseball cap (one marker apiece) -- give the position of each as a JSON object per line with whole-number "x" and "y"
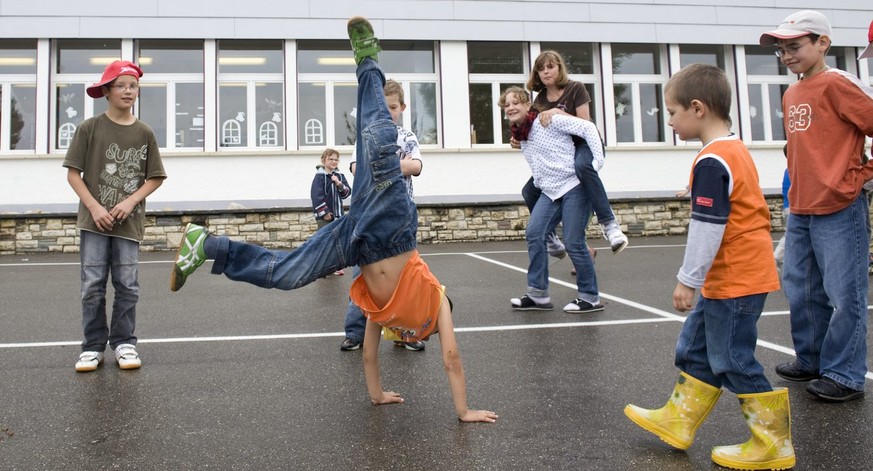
{"x": 112, "y": 72}
{"x": 868, "y": 52}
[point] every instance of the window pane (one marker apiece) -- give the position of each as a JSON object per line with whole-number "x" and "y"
{"x": 70, "y": 112}
{"x": 762, "y": 61}
{"x": 870, "y": 67}
{"x": 153, "y": 109}
{"x": 407, "y": 57}
{"x": 701, "y": 54}
{"x": 311, "y": 106}
{"x": 325, "y": 56}
{"x": 249, "y": 56}
{"x": 171, "y": 56}
{"x": 755, "y": 112}
{"x": 495, "y": 58}
{"x": 624, "y": 112}
{"x": 232, "y": 115}
{"x": 776, "y": 122}
{"x": 636, "y": 59}
{"x": 86, "y": 56}
{"x": 422, "y": 101}
{"x": 652, "y": 112}
{"x": 579, "y": 57}
{"x": 22, "y": 118}
{"x": 592, "y": 92}
{"x": 270, "y": 114}
{"x": 189, "y": 115}
{"x": 482, "y": 106}
{"x": 345, "y": 98}
{"x": 17, "y": 56}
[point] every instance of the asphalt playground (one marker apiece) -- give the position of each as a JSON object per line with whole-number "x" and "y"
{"x": 236, "y": 377}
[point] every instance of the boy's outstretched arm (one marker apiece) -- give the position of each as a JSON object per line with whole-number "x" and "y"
{"x": 455, "y": 369}
{"x": 372, "y": 334}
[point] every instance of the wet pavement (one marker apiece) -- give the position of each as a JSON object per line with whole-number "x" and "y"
{"x": 238, "y": 377}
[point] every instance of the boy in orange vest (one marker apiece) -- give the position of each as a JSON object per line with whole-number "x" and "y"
{"x": 729, "y": 257}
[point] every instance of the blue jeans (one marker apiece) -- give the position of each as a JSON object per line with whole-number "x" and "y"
{"x": 717, "y": 344}
{"x": 381, "y": 223}
{"x": 100, "y": 256}
{"x": 824, "y": 276}
{"x": 592, "y": 185}
{"x": 575, "y": 210}
{"x": 356, "y": 323}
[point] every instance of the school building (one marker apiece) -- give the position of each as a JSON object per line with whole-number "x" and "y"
{"x": 245, "y": 96}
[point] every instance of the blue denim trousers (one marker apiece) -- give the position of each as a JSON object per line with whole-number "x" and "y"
{"x": 824, "y": 277}
{"x": 355, "y": 323}
{"x": 575, "y": 210}
{"x": 101, "y": 256}
{"x": 717, "y": 344}
{"x": 591, "y": 185}
{"x": 381, "y": 223}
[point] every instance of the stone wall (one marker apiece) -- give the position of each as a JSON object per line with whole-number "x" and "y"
{"x": 285, "y": 228}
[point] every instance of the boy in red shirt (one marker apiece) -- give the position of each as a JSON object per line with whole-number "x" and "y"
{"x": 396, "y": 289}
{"x": 828, "y": 113}
{"x": 729, "y": 257}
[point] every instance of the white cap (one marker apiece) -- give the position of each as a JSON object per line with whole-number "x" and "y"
{"x": 798, "y": 24}
{"x": 868, "y": 52}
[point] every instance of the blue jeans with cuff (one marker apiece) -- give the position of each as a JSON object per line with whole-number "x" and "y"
{"x": 825, "y": 279}
{"x": 102, "y": 255}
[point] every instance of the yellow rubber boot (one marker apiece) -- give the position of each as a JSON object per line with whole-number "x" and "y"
{"x": 769, "y": 418}
{"x": 677, "y": 422}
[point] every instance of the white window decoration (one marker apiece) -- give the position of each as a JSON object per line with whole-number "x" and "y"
{"x": 267, "y": 134}
{"x": 65, "y": 135}
{"x": 314, "y": 132}
{"x": 231, "y": 133}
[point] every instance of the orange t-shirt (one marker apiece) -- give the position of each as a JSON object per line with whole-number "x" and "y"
{"x": 826, "y": 119}
{"x": 411, "y": 313}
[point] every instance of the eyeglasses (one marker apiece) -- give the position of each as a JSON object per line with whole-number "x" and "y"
{"x": 790, "y": 49}
{"x": 120, "y": 88}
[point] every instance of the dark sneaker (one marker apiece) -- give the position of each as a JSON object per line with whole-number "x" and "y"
{"x": 363, "y": 40}
{"x": 579, "y": 306}
{"x": 554, "y": 246}
{"x": 525, "y": 303}
{"x": 189, "y": 256}
{"x": 829, "y": 390}
{"x": 416, "y": 346}
{"x": 349, "y": 345}
{"x": 793, "y": 372}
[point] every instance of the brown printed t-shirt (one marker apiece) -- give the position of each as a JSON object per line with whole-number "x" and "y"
{"x": 115, "y": 161}
{"x": 574, "y": 95}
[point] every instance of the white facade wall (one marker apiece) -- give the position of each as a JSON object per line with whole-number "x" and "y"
{"x": 455, "y": 171}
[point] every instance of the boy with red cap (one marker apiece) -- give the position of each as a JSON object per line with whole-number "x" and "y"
{"x": 828, "y": 113}
{"x": 113, "y": 164}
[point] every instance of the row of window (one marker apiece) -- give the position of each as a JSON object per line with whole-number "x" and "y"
{"x": 248, "y": 82}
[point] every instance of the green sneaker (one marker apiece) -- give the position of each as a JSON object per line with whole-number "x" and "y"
{"x": 364, "y": 42}
{"x": 189, "y": 256}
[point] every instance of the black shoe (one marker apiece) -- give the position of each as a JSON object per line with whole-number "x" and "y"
{"x": 829, "y": 390}
{"x": 416, "y": 346}
{"x": 579, "y": 306}
{"x": 792, "y": 372}
{"x": 525, "y": 303}
{"x": 349, "y": 345}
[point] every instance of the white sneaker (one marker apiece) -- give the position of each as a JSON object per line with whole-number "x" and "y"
{"x": 617, "y": 239}
{"x": 554, "y": 246}
{"x": 127, "y": 357}
{"x": 89, "y": 361}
